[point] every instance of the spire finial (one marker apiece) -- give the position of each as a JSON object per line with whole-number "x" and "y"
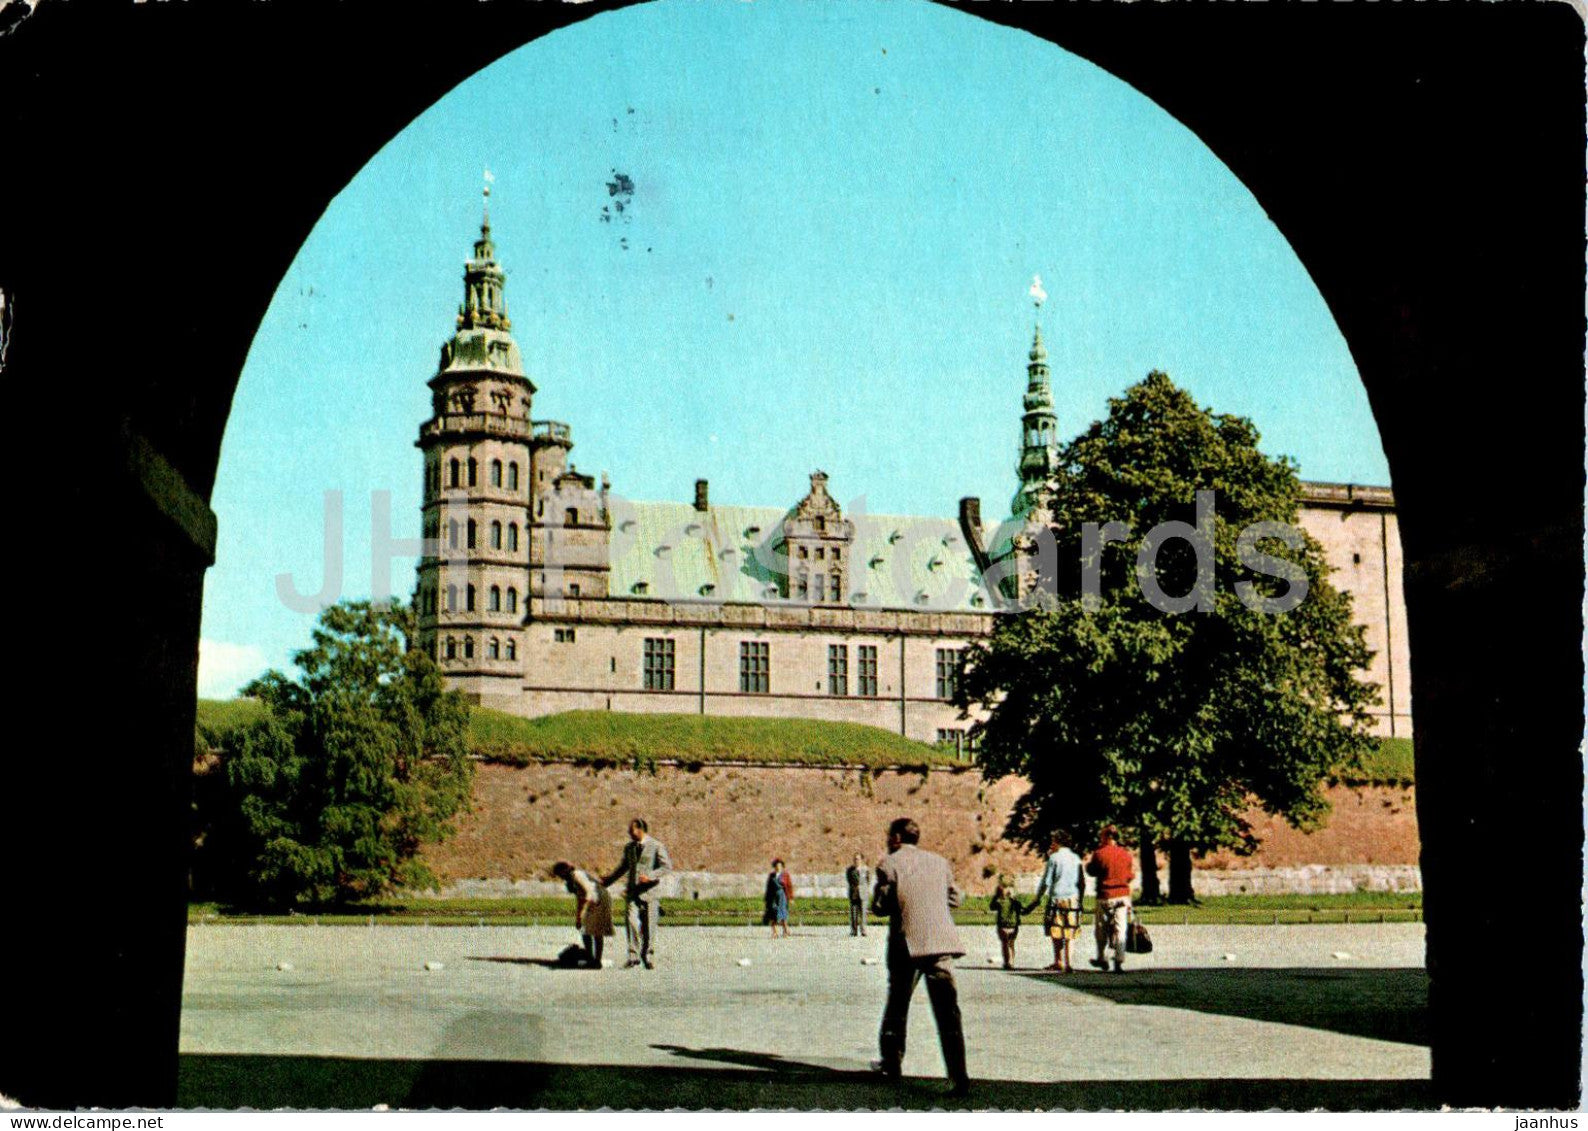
{"x": 1038, "y": 295}
{"x": 485, "y": 223}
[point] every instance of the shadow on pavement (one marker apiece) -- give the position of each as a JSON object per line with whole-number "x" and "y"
{"x": 1384, "y": 1003}
{"x": 234, "y": 1081}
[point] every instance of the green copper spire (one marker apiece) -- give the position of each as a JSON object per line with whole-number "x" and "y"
{"x": 1039, "y": 450}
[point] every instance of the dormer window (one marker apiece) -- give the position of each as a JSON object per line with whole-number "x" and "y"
{"x": 707, "y": 589}
{"x": 640, "y": 588}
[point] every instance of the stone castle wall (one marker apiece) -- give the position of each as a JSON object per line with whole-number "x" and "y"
{"x": 724, "y": 824}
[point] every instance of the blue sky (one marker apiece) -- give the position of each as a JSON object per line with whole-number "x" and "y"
{"x": 836, "y": 215}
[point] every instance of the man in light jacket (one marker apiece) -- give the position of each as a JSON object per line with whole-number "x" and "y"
{"x": 915, "y": 890}
{"x": 645, "y": 862}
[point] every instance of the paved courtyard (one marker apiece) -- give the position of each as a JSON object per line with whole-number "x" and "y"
{"x": 1304, "y": 1016}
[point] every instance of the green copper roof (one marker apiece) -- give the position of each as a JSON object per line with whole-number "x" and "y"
{"x": 894, "y": 562}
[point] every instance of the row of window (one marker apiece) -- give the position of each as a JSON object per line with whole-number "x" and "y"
{"x": 466, "y": 535}
{"x": 658, "y": 668}
{"x": 495, "y": 600}
{"x": 819, "y": 588}
{"x": 452, "y": 649}
{"x": 462, "y": 473}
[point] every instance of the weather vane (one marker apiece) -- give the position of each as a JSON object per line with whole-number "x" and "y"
{"x": 1038, "y": 295}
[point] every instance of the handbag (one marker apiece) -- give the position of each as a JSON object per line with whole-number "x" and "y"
{"x": 1137, "y": 940}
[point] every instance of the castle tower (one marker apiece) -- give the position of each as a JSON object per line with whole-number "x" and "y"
{"x": 1039, "y": 461}
{"x": 1039, "y": 429}
{"x": 473, "y": 591}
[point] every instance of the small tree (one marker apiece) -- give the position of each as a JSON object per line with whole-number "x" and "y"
{"x": 1173, "y": 724}
{"x": 355, "y": 765}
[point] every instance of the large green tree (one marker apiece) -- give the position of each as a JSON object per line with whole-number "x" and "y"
{"x": 354, "y": 766}
{"x": 1160, "y": 686}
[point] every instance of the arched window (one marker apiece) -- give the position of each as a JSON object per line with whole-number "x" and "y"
{"x": 469, "y": 599}
{"x": 496, "y": 535}
{"x": 471, "y": 533}
{"x": 512, "y": 599}
{"x": 512, "y": 485}
{"x": 496, "y": 473}
{"x": 452, "y": 648}
{"x": 474, "y": 470}
{"x": 454, "y": 472}
{"x": 512, "y": 536}
{"x": 452, "y": 598}
{"x": 512, "y": 649}
{"x": 495, "y": 605}
{"x": 494, "y": 649}
{"x": 452, "y": 533}
{"x": 468, "y": 647}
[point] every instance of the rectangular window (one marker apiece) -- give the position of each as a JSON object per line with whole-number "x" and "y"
{"x": 755, "y": 667}
{"x": 952, "y": 740}
{"x": 837, "y": 669}
{"x": 562, "y": 635}
{"x": 947, "y": 672}
{"x": 821, "y": 589}
{"x": 658, "y": 664}
{"x": 866, "y": 683}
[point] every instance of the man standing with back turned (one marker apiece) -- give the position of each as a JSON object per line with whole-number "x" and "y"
{"x": 915, "y": 890}
{"x": 645, "y": 862}
{"x": 1113, "y": 869}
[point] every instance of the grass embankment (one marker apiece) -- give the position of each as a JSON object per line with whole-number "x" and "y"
{"x": 614, "y": 738}
{"x": 1256, "y": 910}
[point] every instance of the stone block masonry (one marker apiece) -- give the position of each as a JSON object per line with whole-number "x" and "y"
{"x": 725, "y": 824}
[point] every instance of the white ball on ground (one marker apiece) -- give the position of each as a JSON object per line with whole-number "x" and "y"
{"x": 1341, "y": 954}
{"x": 606, "y": 964}
{"x": 744, "y": 962}
{"x": 868, "y": 962}
{"x": 433, "y": 966}
{"x": 991, "y": 961}
{"x": 283, "y": 966}
{"x": 1228, "y": 957}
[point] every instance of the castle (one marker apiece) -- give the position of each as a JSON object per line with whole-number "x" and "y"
{"x": 549, "y": 593}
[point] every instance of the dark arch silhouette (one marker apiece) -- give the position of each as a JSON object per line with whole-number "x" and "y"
{"x": 1425, "y": 162}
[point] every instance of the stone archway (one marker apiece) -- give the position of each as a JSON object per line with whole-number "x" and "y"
{"x": 1426, "y": 165}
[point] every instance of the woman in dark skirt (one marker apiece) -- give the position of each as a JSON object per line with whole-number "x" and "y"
{"x": 775, "y": 913}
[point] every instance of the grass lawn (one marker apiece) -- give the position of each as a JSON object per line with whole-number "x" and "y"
{"x": 1353, "y": 907}
{"x": 614, "y": 738}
